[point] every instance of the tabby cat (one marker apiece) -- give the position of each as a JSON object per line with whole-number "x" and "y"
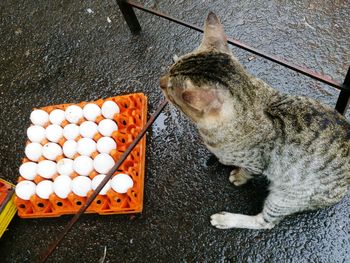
{"x": 299, "y": 144}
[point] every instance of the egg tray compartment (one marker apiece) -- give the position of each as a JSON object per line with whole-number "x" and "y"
{"x": 130, "y": 121}
{"x": 5, "y": 190}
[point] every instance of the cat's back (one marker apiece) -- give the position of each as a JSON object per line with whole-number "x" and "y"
{"x": 312, "y": 149}
{"x": 306, "y": 121}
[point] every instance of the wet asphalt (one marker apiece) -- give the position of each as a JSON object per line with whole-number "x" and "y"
{"x": 54, "y": 52}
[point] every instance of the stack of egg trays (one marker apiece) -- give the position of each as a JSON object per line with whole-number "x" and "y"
{"x": 7, "y": 207}
{"x": 130, "y": 121}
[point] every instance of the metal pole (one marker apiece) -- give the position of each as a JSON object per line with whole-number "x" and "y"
{"x": 344, "y": 95}
{"x": 129, "y": 16}
{"x": 104, "y": 181}
{"x": 299, "y": 69}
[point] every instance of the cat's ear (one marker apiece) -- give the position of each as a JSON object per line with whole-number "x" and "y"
{"x": 214, "y": 35}
{"x": 202, "y": 100}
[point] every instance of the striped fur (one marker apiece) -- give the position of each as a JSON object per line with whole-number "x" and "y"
{"x": 299, "y": 144}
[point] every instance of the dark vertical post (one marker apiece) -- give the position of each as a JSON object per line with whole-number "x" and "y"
{"x": 343, "y": 99}
{"x": 129, "y": 16}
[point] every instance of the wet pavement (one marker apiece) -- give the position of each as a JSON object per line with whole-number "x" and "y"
{"x": 54, "y": 52}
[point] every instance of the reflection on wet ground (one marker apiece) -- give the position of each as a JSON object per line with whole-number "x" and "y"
{"x": 69, "y": 51}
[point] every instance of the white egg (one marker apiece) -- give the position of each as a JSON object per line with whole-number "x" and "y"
{"x": 47, "y": 169}
{"x": 36, "y": 133}
{"x": 73, "y": 113}
{"x": 106, "y": 127}
{"x": 62, "y": 186}
{"x": 91, "y": 111}
{"x": 28, "y": 170}
{"x": 103, "y": 163}
{"x": 51, "y": 151}
{"x": 96, "y": 182}
{"x": 83, "y": 165}
{"x": 86, "y": 146}
{"x": 54, "y": 132}
{"x": 25, "y": 189}
{"x": 33, "y": 151}
{"x": 71, "y": 131}
{"x": 39, "y": 117}
{"x": 88, "y": 129}
{"x": 70, "y": 148}
{"x": 65, "y": 166}
{"x": 121, "y": 183}
{"x": 57, "y": 116}
{"x": 44, "y": 189}
{"x": 109, "y": 109}
{"x": 106, "y": 145}
{"x": 81, "y": 185}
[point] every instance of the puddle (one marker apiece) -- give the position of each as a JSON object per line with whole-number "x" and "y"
{"x": 159, "y": 124}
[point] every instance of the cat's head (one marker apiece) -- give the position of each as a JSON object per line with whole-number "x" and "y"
{"x": 198, "y": 83}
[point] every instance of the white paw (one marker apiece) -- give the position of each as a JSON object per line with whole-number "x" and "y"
{"x": 221, "y": 220}
{"x": 175, "y": 58}
{"x": 236, "y": 178}
{"x": 232, "y": 176}
{"x": 225, "y": 220}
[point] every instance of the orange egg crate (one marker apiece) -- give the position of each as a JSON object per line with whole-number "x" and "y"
{"x": 130, "y": 121}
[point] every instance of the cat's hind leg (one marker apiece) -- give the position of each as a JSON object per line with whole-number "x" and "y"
{"x": 239, "y": 176}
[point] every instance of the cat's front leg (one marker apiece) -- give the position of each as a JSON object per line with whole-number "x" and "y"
{"x": 239, "y": 176}
{"x": 278, "y": 205}
{"x": 225, "y": 220}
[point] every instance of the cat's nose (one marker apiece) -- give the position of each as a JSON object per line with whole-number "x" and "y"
{"x": 164, "y": 82}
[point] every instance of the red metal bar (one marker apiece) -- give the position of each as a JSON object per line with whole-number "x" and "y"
{"x": 344, "y": 96}
{"x": 103, "y": 183}
{"x": 129, "y": 16}
{"x": 299, "y": 69}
